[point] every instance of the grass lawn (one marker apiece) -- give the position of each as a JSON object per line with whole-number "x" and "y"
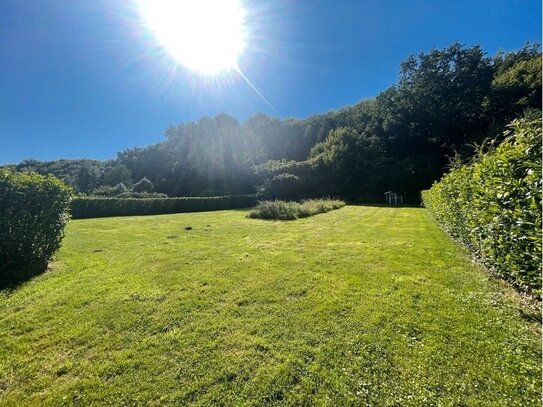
{"x": 359, "y": 306}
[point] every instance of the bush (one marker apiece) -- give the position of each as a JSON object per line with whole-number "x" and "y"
{"x": 283, "y": 186}
{"x": 143, "y": 185}
{"x": 94, "y": 207}
{"x": 290, "y": 210}
{"x": 129, "y": 194}
{"x": 121, "y": 191}
{"x": 492, "y": 205}
{"x": 106, "y": 190}
{"x": 33, "y": 213}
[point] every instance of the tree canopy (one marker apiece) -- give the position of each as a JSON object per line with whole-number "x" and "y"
{"x": 445, "y": 102}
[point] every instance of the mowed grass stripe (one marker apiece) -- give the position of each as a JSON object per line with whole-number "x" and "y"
{"x": 362, "y": 305}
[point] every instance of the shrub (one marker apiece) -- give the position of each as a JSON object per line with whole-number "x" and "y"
{"x": 94, "y": 207}
{"x": 283, "y": 186}
{"x": 33, "y": 213}
{"x": 129, "y": 194}
{"x": 290, "y": 210}
{"x": 143, "y": 185}
{"x": 492, "y": 205}
{"x": 106, "y": 190}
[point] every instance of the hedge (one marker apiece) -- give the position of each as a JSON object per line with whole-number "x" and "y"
{"x": 94, "y": 207}
{"x": 492, "y": 205}
{"x": 33, "y": 213}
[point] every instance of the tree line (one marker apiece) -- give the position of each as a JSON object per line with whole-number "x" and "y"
{"x": 445, "y": 102}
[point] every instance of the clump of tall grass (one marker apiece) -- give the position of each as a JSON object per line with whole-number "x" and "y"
{"x": 291, "y": 210}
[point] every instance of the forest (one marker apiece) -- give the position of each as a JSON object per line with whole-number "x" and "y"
{"x": 444, "y": 106}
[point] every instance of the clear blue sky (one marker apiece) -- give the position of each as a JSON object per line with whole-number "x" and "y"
{"x": 82, "y": 78}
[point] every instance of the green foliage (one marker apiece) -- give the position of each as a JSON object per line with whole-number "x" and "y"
{"x": 130, "y": 194}
{"x": 283, "y": 186}
{"x": 33, "y": 213}
{"x": 88, "y": 177}
{"x": 444, "y": 101}
{"x": 121, "y": 191}
{"x": 286, "y": 179}
{"x": 493, "y": 204}
{"x": 516, "y": 85}
{"x": 116, "y": 174}
{"x": 106, "y": 190}
{"x": 349, "y": 163}
{"x": 213, "y": 156}
{"x": 82, "y": 175}
{"x": 143, "y": 185}
{"x": 93, "y": 207}
{"x": 291, "y": 210}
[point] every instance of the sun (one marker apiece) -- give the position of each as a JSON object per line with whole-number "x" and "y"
{"x": 206, "y": 36}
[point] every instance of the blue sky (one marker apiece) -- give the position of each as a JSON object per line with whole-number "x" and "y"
{"x": 83, "y": 78}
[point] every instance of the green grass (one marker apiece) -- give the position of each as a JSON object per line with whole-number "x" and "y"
{"x": 292, "y": 210}
{"x": 358, "y": 306}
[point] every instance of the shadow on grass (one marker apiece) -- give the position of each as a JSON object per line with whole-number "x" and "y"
{"x": 11, "y": 277}
{"x": 384, "y": 205}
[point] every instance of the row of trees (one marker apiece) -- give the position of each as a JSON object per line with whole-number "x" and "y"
{"x": 445, "y": 102}
{"x": 90, "y": 177}
{"x": 83, "y": 175}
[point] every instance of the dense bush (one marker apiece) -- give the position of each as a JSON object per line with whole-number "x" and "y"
{"x": 282, "y": 186}
{"x": 131, "y": 194}
{"x": 290, "y": 210}
{"x": 94, "y": 207}
{"x": 33, "y": 213}
{"x": 121, "y": 191}
{"x": 143, "y": 185}
{"x": 83, "y": 175}
{"x": 492, "y": 205}
{"x": 107, "y": 190}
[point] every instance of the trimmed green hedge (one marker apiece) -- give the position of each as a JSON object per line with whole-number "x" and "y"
{"x": 493, "y": 205}
{"x": 33, "y": 213}
{"x": 93, "y": 207}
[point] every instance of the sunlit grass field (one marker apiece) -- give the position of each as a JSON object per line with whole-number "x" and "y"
{"x": 358, "y": 306}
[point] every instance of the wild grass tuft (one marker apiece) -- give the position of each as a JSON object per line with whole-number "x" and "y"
{"x": 291, "y": 210}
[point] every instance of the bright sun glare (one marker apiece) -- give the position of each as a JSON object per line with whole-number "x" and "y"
{"x": 206, "y": 36}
